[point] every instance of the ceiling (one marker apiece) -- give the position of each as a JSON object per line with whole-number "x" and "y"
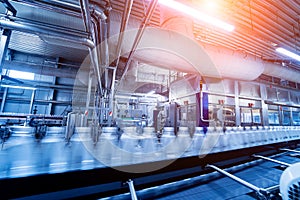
{"x": 260, "y": 27}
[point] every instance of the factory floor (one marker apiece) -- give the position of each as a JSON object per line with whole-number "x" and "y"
{"x": 263, "y": 175}
{"x": 24, "y": 156}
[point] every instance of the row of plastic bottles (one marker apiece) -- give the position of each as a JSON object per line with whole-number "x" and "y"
{"x": 133, "y": 146}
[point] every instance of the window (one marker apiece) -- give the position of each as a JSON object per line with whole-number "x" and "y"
{"x": 250, "y": 116}
{"x": 296, "y": 117}
{"x": 273, "y": 117}
{"x": 21, "y": 75}
{"x": 286, "y": 118}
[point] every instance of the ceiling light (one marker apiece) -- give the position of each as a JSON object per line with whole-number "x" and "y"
{"x": 288, "y": 53}
{"x": 196, "y": 14}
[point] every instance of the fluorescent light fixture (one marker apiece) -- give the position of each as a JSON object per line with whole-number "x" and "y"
{"x": 18, "y": 87}
{"x": 288, "y": 53}
{"x": 196, "y": 14}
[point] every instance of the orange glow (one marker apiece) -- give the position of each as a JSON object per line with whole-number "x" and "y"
{"x": 197, "y": 14}
{"x": 210, "y": 5}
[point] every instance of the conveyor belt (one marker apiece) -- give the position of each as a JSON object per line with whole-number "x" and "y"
{"x": 29, "y": 167}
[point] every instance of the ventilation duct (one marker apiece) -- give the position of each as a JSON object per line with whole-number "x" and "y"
{"x": 290, "y": 182}
{"x": 285, "y": 73}
{"x": 173, "y": 47}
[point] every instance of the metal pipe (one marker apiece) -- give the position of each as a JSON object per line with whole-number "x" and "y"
{"x": 62, "y": 7}
{"x": 50, "y": 27}
{"x": 3, "y": 100}
{"x": 97, "y": 12}
{"x": 86, "y": 15}
{"x": 139, "y": 35}
{"x": 89, "y": 91}
{"x": 132, "y": 190}
{"x": 291, "y": 150}
{"x": 237, "y": 179}
{"x": 46, "y": 33}
{"x": 31, "y": 101}
{"x": 9, "y": 7}
{"x": 125, "y": 18}
{"x": 93, "y": 52}
{"x": 272, "y": 160}
{"x": 58, "y": 7}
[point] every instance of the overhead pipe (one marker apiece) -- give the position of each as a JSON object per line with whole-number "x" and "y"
{"x": 91, "y": 15}
{"x": 125, "y": 18}
{"x": 76, "y": 10}
{"x": 139, "y": 35}
{"x": 49, "y": 27}
{"x": 46, "y": 33}
{"x": 93, "y": 52}
{"x": 91, "y": 28}
{"x": 124, "y": 23}
{"x": 54, "y": 35}
{"x": 59, "y": 7}
{"x": 86, "y": 15}
{"x": 9, "y": 7}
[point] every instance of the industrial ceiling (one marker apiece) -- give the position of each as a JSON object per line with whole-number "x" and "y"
{"x": 260, "y": 26}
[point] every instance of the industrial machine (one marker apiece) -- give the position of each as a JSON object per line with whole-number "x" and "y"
{"x": 112, "y": 105}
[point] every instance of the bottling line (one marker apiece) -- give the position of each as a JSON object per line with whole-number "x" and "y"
{"x": 155, "y": 99}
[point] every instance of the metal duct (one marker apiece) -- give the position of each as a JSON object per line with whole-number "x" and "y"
{"x": 285, "y": 73}
{"x": 170, "y": 49}
{"x": 167, "y": 49}
{"x": 229, "y": 64}
{"x": 235, "y": 65}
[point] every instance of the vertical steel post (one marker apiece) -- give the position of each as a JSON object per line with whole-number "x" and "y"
{"x": 264, "y": 106}
{"x": 132, "y": 190}
{"x": 31, "y": 101}
{"x": 3, "y": 100}
{"x": 237, "y": 104}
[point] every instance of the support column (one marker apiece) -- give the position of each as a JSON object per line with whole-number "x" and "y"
{"x": 291, "y": 110}
{"x": 3, "y": 100}
{"x": 264, "y": 106}
{"x": 237, "y": 104}
{"x": 52, "y": 92}
{"x": 31, "y": 101}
